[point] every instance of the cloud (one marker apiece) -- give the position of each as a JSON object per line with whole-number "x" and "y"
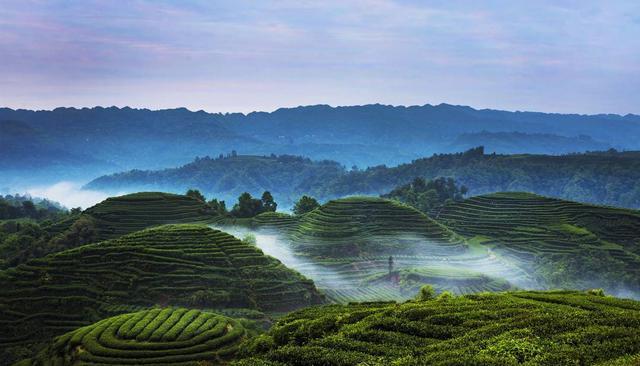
{"x": 68, "y": 194}
{"x": 486, "y": 54}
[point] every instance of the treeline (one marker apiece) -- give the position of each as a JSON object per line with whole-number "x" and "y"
{"x": 228, "y": 176}
{"x": 427, "y": 195}
{"x": 19, "y": 206}
{"x": 248, "y": 206}
{"x": 605, "y": 178}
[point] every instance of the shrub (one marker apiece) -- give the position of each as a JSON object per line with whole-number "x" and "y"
{"x": 426, "y": 293}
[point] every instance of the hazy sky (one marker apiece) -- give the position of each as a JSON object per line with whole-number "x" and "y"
{"x": 565, "y": 56}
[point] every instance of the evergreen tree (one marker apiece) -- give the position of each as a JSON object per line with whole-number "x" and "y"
{"x": 268, "y": 203}
{"x": 194, "y": 193}
{"x": 305, "y": 204}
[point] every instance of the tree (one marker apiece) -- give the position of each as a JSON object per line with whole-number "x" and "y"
{"x": 268, "y": 203}
{"x": 428, "y": 195}
{"x": 426, "y": 293}
{"x": 305, "y": 204}
{"x": 29, "y": 209}
{"x": 218, "y": 207}
{"x": 194, "y": 193}
{"x": 247, "y": 206}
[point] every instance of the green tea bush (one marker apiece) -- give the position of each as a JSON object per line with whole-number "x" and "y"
{"x": 214, "y": 340}
{"x": 557, "y": 328}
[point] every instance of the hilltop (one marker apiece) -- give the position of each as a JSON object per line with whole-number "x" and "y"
{"x": 369, "y": 226}
{"x": 121, "y": 215}
{"x": 175, "y": 336}
{"x": 368, "y": 248}
{"x": 109, "y": 219}
{"x": 567, "y": 243}
{"x": 180, "y": 265}
{"x": 507, "y": 329}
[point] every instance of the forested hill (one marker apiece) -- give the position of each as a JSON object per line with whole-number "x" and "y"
{"x": 227, "y": 176}
{"x": 103, "y": 140}
{"x": 610, "y": 178}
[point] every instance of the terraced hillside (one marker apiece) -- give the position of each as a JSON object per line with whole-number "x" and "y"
{"x": 175, "y": 336}
{"x": 121, "y": 215}
{"x": 500, "y": 329}
{"x": 360, "y": 226}
{"x": 182, "y": 265}
{"x": 584, "y": 240}
{"x": 345, "y": 247}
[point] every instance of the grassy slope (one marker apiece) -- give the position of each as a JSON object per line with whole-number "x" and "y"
{"x": 121, "y": 215}
{"x": 175, "y": 336}
{"x": 530, "y": 328}
{"x": 164, "y": 265}
{"x": 360, "y": 226}
{"x": 348, "y": 242}
{"x": 527, "y": 226}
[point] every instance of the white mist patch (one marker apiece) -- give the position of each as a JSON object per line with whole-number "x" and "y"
{"x": 272, "y": 243}
{"x": 69, "y": 194}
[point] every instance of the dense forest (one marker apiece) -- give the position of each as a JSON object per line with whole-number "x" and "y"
{"x": 609, "y": 177}
{"x": 227, "y": 176}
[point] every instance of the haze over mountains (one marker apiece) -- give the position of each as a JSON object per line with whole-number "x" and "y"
{"x": 42, "y": 148}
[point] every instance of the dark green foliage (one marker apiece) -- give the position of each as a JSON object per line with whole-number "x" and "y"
{"x": 114, "y": 217}
{"x": 428, "y": 195}
{"x": 268, "y": 203}
{"x": 531, "y": 328}
{"x": 305, "y": 204}
{"x": 360, "y": 226}
{"x": 611, "y": 178}
{"x": 218, "y": 207}
{"x": 568, "y": 244}
{"x": 229, "y": 177}
{"x": 248, "y": 206}
{"x": 194, "y": 193}
{"x": 182, "y": 265}
{"x": 117, "y": 216}
{"x": 426, "y": 293}
{"x": 171, "y": 336}
{"x": 17, "y": 207}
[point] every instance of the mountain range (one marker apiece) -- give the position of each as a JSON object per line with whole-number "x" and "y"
{"x": 71, "y": 143}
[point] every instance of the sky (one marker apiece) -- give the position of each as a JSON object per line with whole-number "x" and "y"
{"x": 240, "y": 56}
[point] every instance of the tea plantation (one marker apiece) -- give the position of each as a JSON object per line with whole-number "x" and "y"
{"x": 361, "y": 226}
{"x": 121, "y": 215}
{"x": 184, "y": 265}
{"x": 150, "y": 337}
{"x": 569, "y": 243}
{"x": 346, "y": 244}
{"x": 501, "y": 329}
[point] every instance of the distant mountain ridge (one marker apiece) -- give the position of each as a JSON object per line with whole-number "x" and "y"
{"x": 115, "y": 139}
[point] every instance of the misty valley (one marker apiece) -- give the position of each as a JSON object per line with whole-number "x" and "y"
{"x": 319, "y": 183}
{"x": 424, "y": 273}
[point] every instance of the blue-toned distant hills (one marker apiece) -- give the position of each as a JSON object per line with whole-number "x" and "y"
{"x": 94, "y": 141}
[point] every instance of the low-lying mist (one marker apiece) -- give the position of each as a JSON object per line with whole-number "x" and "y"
{"x": 274, "y": 244}
{"x": 69, "y": 194}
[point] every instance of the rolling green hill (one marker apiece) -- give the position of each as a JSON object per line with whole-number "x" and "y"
{"x": 182, "y": 265}
{"x": 109, "y": 219}
{"x": 499, "y": 329}
{"x": 570, "y": 243}
{"x": 175, "y": 336}
{"x": 345, "y": 245}
{"x": 361, "y": 226}
{"x": 121, "y": 215}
